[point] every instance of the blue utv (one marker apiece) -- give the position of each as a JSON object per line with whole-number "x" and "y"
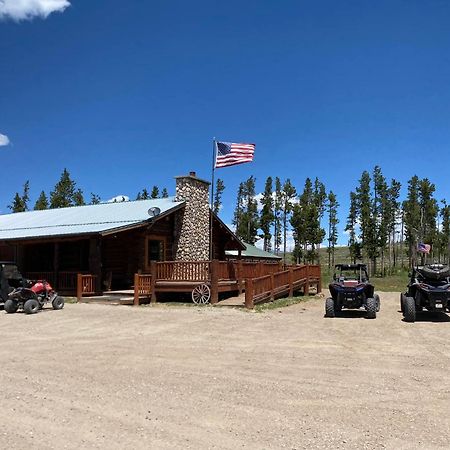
{"x": 351, "y": 289}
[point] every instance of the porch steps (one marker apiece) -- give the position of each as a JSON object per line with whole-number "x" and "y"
{"x": 108, "y": 300}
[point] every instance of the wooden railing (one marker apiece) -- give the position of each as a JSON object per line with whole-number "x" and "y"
{"x": 226, "y": 270}
{"x": 144, "y": 286}
{"x": 86, "y": 285}
{"x": 67, "y": 281}
{"x": 182, "y": 271}
{"x": 201, "y": 270}
{"x": 285, "y": 282}
{"x": 48, "y": 276}
{"x": 258, "y": 269}
{"x": 63, "y": 281}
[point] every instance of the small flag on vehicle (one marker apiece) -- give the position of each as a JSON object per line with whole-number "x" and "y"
{"x": 423, "y": 248}
{"x": 231, "y": 153}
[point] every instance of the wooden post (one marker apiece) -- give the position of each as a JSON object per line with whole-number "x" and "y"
{"x": 306, "y": 288}
{"x": 79, "y": 286}
{"x": 214, "y": 281}
{"x": 272, "y": 286}
{"x": 239, "y": 277}
{"x": 136, "y": 290}
{"x": 55, "y": 265}
{"x": 260, "y": 269}
{"x": 249, "y": 293}
{"x": 291, "y": 282}
{"x": 95, "y": 262}
{"x": 153, "y": 271}
{"x": 319, "y": 282}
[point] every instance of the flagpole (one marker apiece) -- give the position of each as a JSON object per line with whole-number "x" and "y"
{"x": 212, "y": 200}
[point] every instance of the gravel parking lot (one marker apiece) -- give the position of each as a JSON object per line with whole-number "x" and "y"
{"x": 116, "y": 377}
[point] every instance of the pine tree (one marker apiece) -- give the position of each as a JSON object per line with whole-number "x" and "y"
{"x": 382, "y": 216}
{"x": 393, "y": 219}
{"x": 246, "y": 213}
{"x": 144, "y": 195}
{"x": 20, "y": 202}
{"x": 237, "y": 217}
{"x": 429, "y": 211}
{"x": 220, "y": 187}
{"x": 277, "y": 207}
{"x": 317, "y": 232}
{"x": 95, "y": 199}
{"x": 305, "y": 221}
{"x": 41, "y": 202}
{"x": 267, "y": 215}
{"x": 411, "y": 214}
{"x": 352, "y": 222}
{"x": 248, "y": 226}
{"x": 367, "y": 215}
{"x": 298, "y": 227}
{"x": 299, "y": 221}
{"x": 333, "y": 220}
{"x": 78, "y": 198}
{"x": 63, "y": 194}
{"x": 289, "y": 194}
{"x": 444, "y": 234}
{"x": 164, "y": 193}
{"x": 155, "y": 192}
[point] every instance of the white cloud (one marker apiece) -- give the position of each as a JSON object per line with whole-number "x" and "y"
{"x": 119, "y": 199}
{"x": 260, "y": 196}
{"x": 4, "y": 140}
{"x": 29, "y": 9}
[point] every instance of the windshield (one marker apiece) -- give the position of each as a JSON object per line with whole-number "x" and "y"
{"x": 351, "y": 274}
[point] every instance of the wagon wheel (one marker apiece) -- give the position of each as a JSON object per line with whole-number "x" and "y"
{"x": 201, "y": 294}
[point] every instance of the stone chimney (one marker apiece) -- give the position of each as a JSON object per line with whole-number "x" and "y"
{"x": 192, "y": 223}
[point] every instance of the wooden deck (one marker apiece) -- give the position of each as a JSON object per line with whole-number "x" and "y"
{"x": 260, "y": 281}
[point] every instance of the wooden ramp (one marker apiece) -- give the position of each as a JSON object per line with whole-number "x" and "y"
{"x": 124, "y": 297}
{"x": 237, "y": 302}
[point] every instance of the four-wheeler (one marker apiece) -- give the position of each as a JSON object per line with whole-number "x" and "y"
{"x": 429, "y": 288}
{"x": 32, "y": 298}
{"x": 351, "y": 289}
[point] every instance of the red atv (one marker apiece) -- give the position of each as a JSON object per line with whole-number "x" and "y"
{"x": 32, "y": 298}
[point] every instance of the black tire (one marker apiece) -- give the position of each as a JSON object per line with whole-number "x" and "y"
{"x": 329, "y": 307}
{"x": 377, "y": 300}
{"x": 10, "y": 306}
{"x": 371, "y": 308}
{"x": 410, "y": 309}
{"x": 31, "y": 306}
{"x": 58, "y": 302}
{"x": 402, "y": 303}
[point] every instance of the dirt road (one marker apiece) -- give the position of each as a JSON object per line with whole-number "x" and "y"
{"x": 94, "y": 376}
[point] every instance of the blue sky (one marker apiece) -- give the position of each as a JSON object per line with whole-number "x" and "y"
{"x": 129, "y": 94}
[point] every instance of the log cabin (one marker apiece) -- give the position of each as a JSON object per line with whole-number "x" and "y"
{"x": 114, "y": 241}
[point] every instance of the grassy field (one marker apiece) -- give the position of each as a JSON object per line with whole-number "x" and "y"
{"x": 392, "y": 283}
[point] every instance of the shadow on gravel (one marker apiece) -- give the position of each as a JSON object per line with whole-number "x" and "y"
{"x": 436, "y": 317}
{"x": 44, "y": 310}
{"x": 351, "y": 314}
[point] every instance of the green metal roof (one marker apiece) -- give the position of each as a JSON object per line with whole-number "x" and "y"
{"x": 252, "y": 252}
{"x": 76, "y": 220}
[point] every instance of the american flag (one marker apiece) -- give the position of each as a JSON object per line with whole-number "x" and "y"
{"x": 231, "y": 153}
{"x": 423, "y": 248}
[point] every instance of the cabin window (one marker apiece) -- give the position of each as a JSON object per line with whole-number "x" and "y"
{"x": 155, "y": 250}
